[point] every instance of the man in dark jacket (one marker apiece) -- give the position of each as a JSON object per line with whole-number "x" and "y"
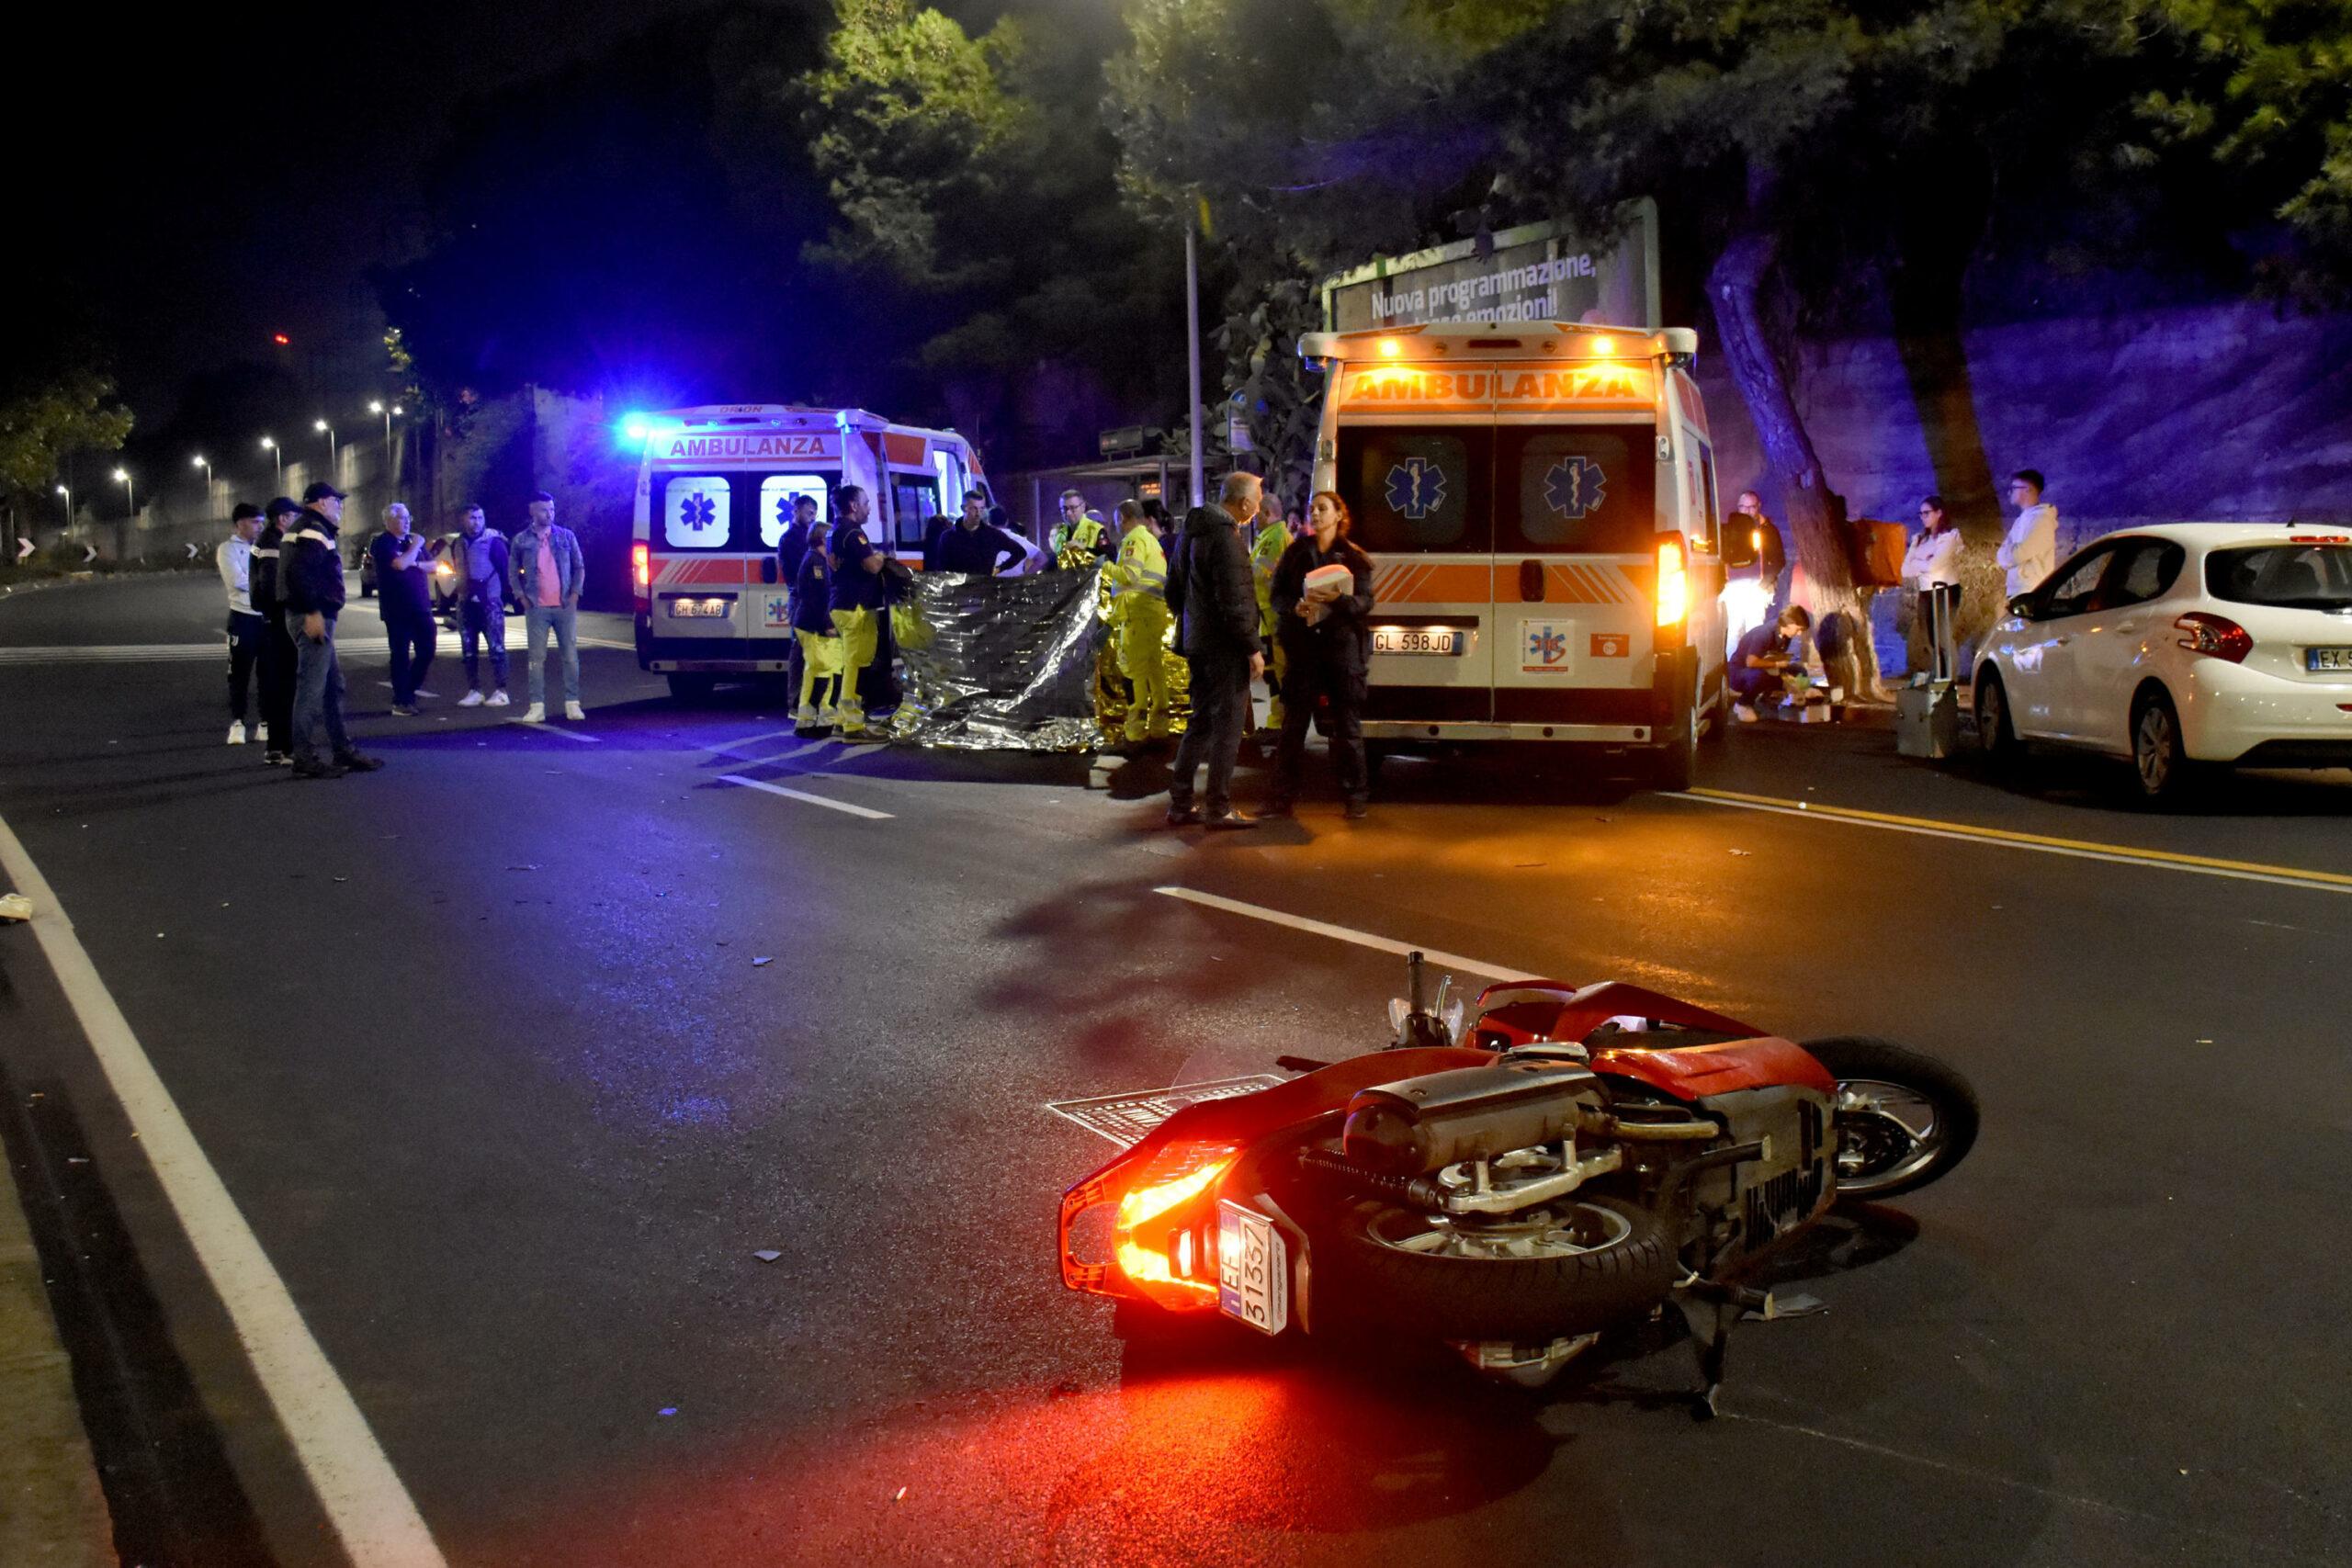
{"x": 310, "y": 579}
{"x": 1215, "y": 600}
{"x": 975, "y": 545}
{"x": 276, "y": 664}
{"x": 1325, "y": 639}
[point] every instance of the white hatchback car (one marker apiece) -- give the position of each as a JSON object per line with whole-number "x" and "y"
{"x": 2179, "y": 645}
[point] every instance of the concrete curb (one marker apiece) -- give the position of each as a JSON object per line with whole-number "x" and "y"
{"x": 52, "y": 1509}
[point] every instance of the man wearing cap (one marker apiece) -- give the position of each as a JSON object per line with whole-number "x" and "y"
{"x": 277, "y": 660}
{"x": 549, "y": 575}
{"x": 310, "y": 579}
{"x": 235, "y": 560}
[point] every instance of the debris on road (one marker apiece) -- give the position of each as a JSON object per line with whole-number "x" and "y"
{"x": 16, "y": 907}
{"x": 761, "y": 963}
{"x": 522, "y": 868}
{"x": 1741, "y": 851}
{"x": 901, "y": 1495}
{"x": 767, "y": 1256}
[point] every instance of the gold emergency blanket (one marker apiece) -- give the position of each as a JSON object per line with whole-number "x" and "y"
{"x": 1000, "y": 663}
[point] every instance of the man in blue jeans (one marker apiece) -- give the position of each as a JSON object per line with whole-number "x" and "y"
{"x": 309, "y": 571}
{"x": 482, "y": 569}
{"x": 550, "y": 573}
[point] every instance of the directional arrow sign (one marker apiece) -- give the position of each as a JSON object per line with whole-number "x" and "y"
{"x": 89, "y": 554}
{"x": 24, "y": 549}
{"x": 192, "y": 550}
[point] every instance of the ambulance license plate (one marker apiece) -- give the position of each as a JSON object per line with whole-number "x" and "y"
{"x": 1442, "y": 642}
{"x": 2318, "y": 659}
{"x": 1252, "y": 1268}
{"x": 700, "y": 609}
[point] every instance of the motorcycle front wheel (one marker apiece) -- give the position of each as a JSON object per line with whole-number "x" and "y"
{"x": 1574, "y": 1267}
{"x": 1901, "y": 1119}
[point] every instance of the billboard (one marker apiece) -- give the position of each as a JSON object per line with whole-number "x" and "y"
{"x": 1538, "y": 272}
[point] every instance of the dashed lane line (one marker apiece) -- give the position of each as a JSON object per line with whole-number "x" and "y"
{"x": 1342, "y": 933}
{"x": 2037, "y": 843}
{"x": 761, "y": 784}
{"x": 370, "y": 1509}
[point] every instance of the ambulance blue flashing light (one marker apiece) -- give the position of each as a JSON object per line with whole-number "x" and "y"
{"x": 636, "y": 428}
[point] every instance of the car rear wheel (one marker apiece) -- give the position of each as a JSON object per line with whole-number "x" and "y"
{"x": 2165, "y": 773}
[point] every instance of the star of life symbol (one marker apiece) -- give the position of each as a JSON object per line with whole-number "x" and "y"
{"x": 1574, "y": 487}
{"x": 1416, "y": 488}
{"x": 698, "y": 511}
{"x": 1548, "y": 646}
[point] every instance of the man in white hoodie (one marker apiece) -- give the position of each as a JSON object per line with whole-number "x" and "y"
{"x": 235, "y": 558}
{"x": 2029, "y": 553}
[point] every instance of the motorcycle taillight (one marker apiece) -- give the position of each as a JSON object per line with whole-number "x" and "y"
{"x": 1162, "y": 1244}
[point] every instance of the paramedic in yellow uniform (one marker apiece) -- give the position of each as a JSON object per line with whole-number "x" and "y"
{"x": 1140, "y": 622}
{"x": 1265, "y": 550}
{"x": 1078, "y": 532}
{"x": 857, "y": 599}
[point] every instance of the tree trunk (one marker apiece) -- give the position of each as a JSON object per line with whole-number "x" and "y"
{"x": 1814, "y": 513}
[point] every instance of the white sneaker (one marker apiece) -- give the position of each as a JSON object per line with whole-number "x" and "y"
{"x": 497, "y": 700}
{"x": 237, "y": 733}
{"x": 536, "y": 714}
{"x": 575, "y": 712}
{"x": 471, "y": 700}
{"x": 1746, "y": 712}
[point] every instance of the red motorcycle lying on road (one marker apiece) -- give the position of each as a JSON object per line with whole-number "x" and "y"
{"x": 1568, "y": 1162}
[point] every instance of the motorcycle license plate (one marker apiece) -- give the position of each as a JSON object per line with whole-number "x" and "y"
{"x": 1441, "y": 642}
{"x": 1252, "y": 1268}
{"x": 2318, "y": 659}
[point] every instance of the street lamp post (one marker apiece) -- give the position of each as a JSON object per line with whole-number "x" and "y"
{"x": 269, "y": 444}
{"x": 199, "y": 461}
{"x": 323, "y": 424}
{"x": 67, "y": 491}
{"x": 391, "y": 466}
{"x": 130, "y": 518}
{"x": 1192, "y": 339}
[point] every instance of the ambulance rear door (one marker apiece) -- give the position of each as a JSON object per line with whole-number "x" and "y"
{"x": 715, "y": 508}
{"x": 1418, "y": 482}
{"x": 1575, "y": 519}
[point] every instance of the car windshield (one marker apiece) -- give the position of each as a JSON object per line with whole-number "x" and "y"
{"x": 2312, "y": 576}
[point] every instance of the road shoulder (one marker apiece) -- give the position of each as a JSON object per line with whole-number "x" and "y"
{"x": 52, "y": 1510}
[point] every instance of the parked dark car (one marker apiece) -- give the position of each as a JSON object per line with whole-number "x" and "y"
{"x": 368, "y": 565}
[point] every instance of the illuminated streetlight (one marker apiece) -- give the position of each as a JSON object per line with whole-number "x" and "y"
{"x": 199, "y": 462}
{"x": 130, "y": 490}
{"x": 269, "y": 443}
{"x": 323, "y": 424}
{"x": 67, "y": 491}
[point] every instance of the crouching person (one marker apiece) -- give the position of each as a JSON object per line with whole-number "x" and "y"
{"x": 1769, "y": 663}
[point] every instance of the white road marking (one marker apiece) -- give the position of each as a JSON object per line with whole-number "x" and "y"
{"x": 371, "y": 1511}
{"x": 556, "y": 730}
{"x": 2073, "y": 849}
{"x": 735, "y": 746}
{"x": 866, "y": 811}
{"x": 1343, "y": 934}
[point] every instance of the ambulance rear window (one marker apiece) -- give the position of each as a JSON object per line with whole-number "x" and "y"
{"x": 1576, "y": 489}
{"x": 1417, "y": 488}
{"x": 742, "y": 511}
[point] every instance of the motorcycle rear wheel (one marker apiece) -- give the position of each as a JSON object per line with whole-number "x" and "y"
{"x": 1903, "y": 1119}
{"x": 1576, "y": 1266}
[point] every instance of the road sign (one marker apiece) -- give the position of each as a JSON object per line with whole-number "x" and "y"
{"x": 24, "y": 549}
{"x": 193, "y": 549}
{"x": 89, "y": 554}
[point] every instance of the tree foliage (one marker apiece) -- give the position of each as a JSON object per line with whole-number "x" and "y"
{"x": 41, "y": 426}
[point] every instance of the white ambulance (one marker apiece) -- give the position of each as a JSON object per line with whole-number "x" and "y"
{"x": 716, "y": 489}
{"x": 1538, "y": 503}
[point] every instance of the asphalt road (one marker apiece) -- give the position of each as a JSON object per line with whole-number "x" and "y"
{"x": 483, "y": 1050}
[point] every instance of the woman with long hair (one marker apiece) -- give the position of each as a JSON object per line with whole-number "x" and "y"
{"x": 1325, "y": 630}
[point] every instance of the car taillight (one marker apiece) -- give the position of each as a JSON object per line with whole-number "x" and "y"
{"x": 640, "y": 566}
{"x": 2216, "y": 636}
{"x": 1163, "y": 1237}
{"x": 1673, "y": 590}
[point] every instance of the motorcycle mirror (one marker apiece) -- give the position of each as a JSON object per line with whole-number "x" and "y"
{"x": 1455, "y": 1014}
{"x": 1399, "y": 1009}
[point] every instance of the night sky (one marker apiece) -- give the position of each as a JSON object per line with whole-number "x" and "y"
{"x": 213, "y": 178}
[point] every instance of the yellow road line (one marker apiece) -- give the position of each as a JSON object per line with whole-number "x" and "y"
{"x": 2043, "y": 844}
